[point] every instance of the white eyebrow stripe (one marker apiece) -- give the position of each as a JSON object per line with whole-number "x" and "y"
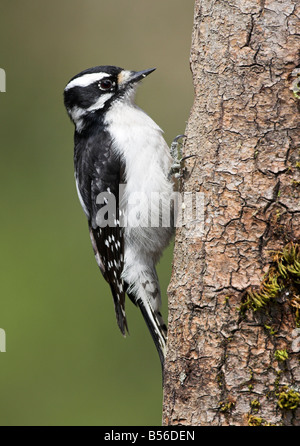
{"x": 86, "y": 79}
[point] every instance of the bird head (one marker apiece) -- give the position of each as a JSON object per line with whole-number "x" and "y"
{"x": 92, "y": 91}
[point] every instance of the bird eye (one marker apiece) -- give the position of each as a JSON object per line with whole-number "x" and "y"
{"x": 105, "y": 84}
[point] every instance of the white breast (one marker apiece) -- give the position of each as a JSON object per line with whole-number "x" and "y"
{"x": 140, "y": 142}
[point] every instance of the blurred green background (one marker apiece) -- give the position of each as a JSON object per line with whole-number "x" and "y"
{"x": 66, "y": 361}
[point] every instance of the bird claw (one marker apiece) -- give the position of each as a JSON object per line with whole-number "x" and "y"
{"x": 177, "y": 168}
{"x": 176, "y": 150}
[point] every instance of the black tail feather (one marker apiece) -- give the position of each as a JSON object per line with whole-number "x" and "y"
{"x": 154, "y": 328}
{"x": 120, "y": 312}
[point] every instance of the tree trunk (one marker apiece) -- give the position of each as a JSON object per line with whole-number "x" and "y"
{"x": 234, "y": 297}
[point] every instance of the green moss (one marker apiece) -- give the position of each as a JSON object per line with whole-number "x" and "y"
{"x": 281, "y": 355}
{"x": 296, "y": 87}
{"x": 283, "y": 275}
{"x": 255, "y": 406}
{"x": 226, "y": 406}
{"x": 271, "y": 330}
{"x": 254, "y": 421}
{"x": 277, "y": 215}
{"x": 258, "y": 421}
{"x": 288, "y": 399}
{"x": 220, "y": 379}
{"x": 226, "y": 300}
{"x": 270, "y": 289}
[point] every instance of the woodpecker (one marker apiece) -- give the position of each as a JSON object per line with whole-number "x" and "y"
{"x": 118, "y": 144}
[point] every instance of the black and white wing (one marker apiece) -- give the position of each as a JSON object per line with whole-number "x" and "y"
{"x": 98, "y": 174}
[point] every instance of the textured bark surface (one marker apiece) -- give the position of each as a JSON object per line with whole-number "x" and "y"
{"x": 222, "y": 367}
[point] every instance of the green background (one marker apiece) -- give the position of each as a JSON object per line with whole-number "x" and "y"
{"x": 66, "y": 361}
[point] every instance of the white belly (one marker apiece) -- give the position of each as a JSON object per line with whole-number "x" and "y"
{"x": 147, "y": 159}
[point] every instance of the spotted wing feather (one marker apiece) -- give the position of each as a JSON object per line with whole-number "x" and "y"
{"x": 99, "y": 191}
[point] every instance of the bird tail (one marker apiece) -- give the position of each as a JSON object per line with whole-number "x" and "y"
{"x": 157, "y": 328}
{"x": 145, "y": 293}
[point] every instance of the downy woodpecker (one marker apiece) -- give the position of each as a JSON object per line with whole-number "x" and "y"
{"x": 118, "y": 144}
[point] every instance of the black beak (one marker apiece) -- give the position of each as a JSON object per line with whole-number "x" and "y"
{"x": 137, "y": 76}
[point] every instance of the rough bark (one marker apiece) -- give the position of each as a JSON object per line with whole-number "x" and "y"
{"x": 230, "y": 361}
